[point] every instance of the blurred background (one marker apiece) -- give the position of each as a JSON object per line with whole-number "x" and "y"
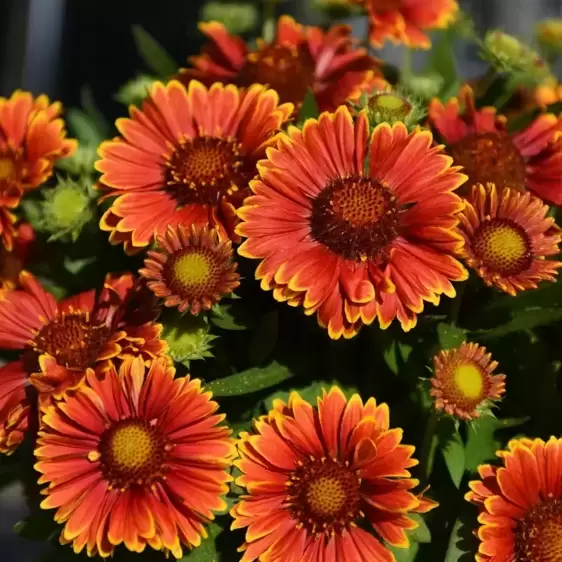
{"x": 58, "y": 47}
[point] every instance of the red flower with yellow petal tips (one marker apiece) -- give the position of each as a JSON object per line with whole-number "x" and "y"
{"x": 477, "y": 139}
{"x": 193, "y": 269}
{"x": 12, "y": 263}
{"x": 507, "y": 237}
{"x": 32, "y": 138}
{"x": 186, "y": 158}
{"x": 521, "y": 503}
{"x": 10, "y": 197}
{"x": 318, "y": 478}
{"x": 134, "y": 458}
{"x": 298, "y": 59}
{"x": 60, "y": 340}
{"x": 464, "y": 383}
{"x": 406, "y": 21}
{"x": 353, "y": 226}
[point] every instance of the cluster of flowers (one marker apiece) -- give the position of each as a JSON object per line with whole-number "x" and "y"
{"x": 354, "y": 217}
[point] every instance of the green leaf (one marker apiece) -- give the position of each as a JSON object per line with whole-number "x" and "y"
{"x": 462, "y": 542}
{"x": 153, "y": 54}
{"x": 481, "y": 443}
{"x": 405, "y": 554}
{"x": 83, "y": 127}
{"x": 75, "y": 266}
{"x": 523, "y": 320}
{"x": 227, "y": 317}
{"x": 309, "y": 108}
{"x": 207, "y": 550}
{"x": 251, "y": 380}
{"x": 452, "y": 449}
{"x": 442, "y": 59}
{"x": 450, "y": 336}
{"x": 422, "y": 533}
{"x": 546, "y": 295}
{"x": 90, "y": 108}
{"x": 396, "y": 355}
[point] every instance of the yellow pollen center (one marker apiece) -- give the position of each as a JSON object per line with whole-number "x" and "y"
{"x": 192, "y": 269}
{"x": 7, "y": 168}
{"x": 468, "y": 379}
{"x": 503, "y": 246}
{"x": 325, "y": 496}
{"x": 388, "y": 101}
{"x": 131, "y": 446}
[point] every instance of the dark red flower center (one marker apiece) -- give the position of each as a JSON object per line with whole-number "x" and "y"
{"x": 206, "y": 169}
{"x": 356, "y": 218}
{"x": 73, "y": 340}
{"x": 503, "y": 246}
{"x": 539, "y": 533}
{"x": 324, "y": 495}
{"x": 289, "y": 70}
{"x": 132, "y": 452}
{"x": 490, "y": 157}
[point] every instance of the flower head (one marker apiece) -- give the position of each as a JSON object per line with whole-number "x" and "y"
{"x": 507, "y": 237}
{"x": 463, "y": 384}
{"x": 477, "y": 139}
{"x": 10, "y": 197}
{"x": 186, "y": 157}
{"x": 298, "y": 59}
{"x": 549, "y": 34}
{"x": 12, "y": 263}
{"x": 136, "y": 458}
{"x": 319, "y": 478}
{"x": 60, "y": 340}
{"x": 353, "y": 226}
{"x": 521, "y": 503}
{"x": 406, "y": 21}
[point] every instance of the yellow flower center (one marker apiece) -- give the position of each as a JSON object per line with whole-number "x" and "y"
{"x": 193, "y": 268}
{"x": 324, "y": 495}
{"x": 468, "y": 379}
{"x": 538, "y": 536}
{"x": 7, "y": 168}
{"x": 503, "y": 246}
{"x": 132, "y": 452}
{"x": 389, "y": 108}
{"x": 355, "y": 217}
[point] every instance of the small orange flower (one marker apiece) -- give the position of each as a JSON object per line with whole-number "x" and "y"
{"x": 12, "y": 263}
{"x": 10, "y": 197}
{"x": 507, "y": 237}
{"x": 193, "y": 270}
{"x": 318, "y": 479}
{"x": 186, "y": 157}
{"x": 463, "y": 384}
{"x": 477, "y": 140}
{"x": 134, "y": 458}
{"x": 59, "y": 341}
{"x": 406, "y": 21}
{"x": 354, "y": 226}
{"x": 521, "y": 503}
{"x": 32, "y": 137}
{"x": 300, "y": 58}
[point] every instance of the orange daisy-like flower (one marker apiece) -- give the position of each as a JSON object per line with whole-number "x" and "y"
{"x": 186, "y": 158}
{"x": 507, "y": 237}
{"x": 61, "y": 340}
{"x": 134, "y": 458}
{"x": 12, "y": 263}
{"x": 298, "y": 59}
{"x": 32, "y": 137}
{"x": 317, "y": 478}
{"x": 521, "y": 503}
{"x": 463, "y": 384}
{"x": 477, "y": 139}
{"x": 353, "y": 226}
{"x": 193, "y": 270}
{"x": 406, "y": 21}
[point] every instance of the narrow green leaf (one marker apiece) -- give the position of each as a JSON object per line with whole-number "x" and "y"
{"x": 226, "y": 316}
{"x": 309, "y": 108}
{"x": 462, "y": 542}
{"x": 442, "y": 59}
{"x": 405, "y": 554}
{"x": 453, "y": 453}
{"x": 450, "y": 336}
{"x": 75, "y": 266}
{"x": 396, "y": 355}
{"x": 422, "y": 534}
{"x": 153, "y": 54}
{"x": 251, "y": 380}
{"x": 524, "y": 320}
{"x": 90, "y": 108}
{"x": 83, "y": 127}
{"x": 207, "y": 550}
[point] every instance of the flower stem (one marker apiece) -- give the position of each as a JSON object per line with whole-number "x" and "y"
{"x": 485, "y": 82}
{"x": 428, "y": 447}
{"x": 456, "y": 304}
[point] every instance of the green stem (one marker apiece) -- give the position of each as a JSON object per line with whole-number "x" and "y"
{"x": 407, "y": 68}
{"x": 509, "y": 89}
{"x": 485, "y": 82}
{"x": 428, "y": 447}
{"x": 268, "y": 26}
{"x": 456, "y": 304}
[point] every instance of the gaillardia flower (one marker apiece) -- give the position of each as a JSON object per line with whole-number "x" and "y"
{"x": 134, "y": 458}
{"x": 32, "y": 138}
{"x": 406, "y": 21}
{"x": 507, "y": 237}
{"x": 186, "y": 157}
{"x": 12, "y": 263}
{"x": 464, "y": 384}
{"x": 299, "y": 58}
{"x": 521, "y": 503}
{"x": 353, "y": 226}
{"x": 477, "y": 140}
{"x": 59, "y": 341}
{"x": 318, "y": 479}
{"x": 10, "y": 197}
{"x": 192, "y": 270}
